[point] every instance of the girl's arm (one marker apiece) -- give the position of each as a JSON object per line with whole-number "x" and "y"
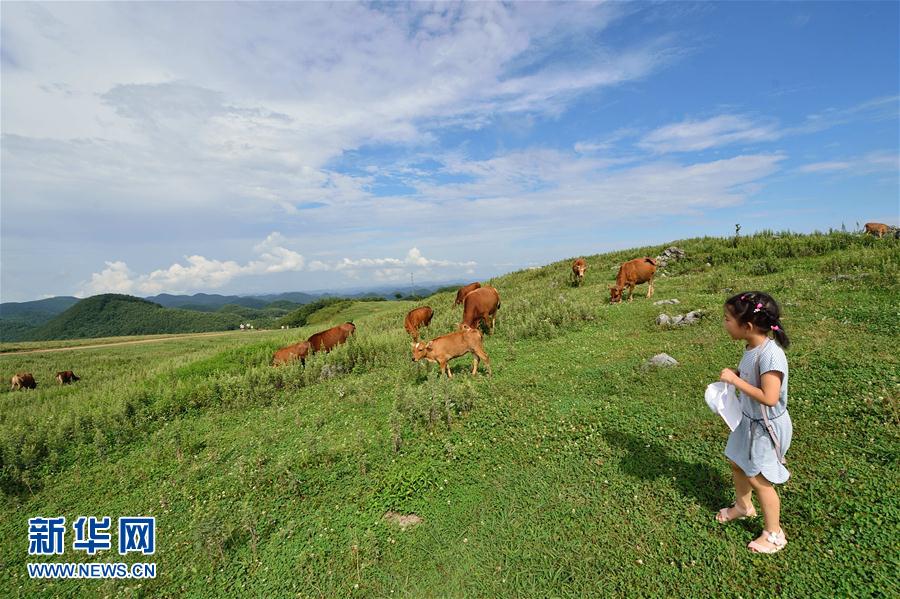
{"x": 771, "y": 386}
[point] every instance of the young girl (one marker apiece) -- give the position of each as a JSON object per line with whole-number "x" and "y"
{"x": 757, "y": 446}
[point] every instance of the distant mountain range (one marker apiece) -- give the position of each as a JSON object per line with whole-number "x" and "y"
{"x": 66, "y": 317}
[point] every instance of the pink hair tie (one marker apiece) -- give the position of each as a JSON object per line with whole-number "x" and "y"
{"x": 758, "y": 308}
{"x": 775, "y": 327}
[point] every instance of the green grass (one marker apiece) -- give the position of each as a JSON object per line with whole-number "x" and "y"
{"x": 570, "y": 472}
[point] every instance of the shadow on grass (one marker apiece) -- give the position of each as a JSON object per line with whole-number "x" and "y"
{"x": 649, "y": 460}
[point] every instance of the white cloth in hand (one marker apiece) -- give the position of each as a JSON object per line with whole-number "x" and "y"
{"x": 722, "y": 400}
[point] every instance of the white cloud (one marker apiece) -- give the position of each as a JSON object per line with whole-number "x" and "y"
{"x": 413, "y": 259}
{"x": 115, "y": 278}
{"x": 873, "y": 162}
{"x": 198, "y": 272}
{"x": 691, "y": 136}
{"x": 249, "y": 110}
{"x": 832, "y": 165}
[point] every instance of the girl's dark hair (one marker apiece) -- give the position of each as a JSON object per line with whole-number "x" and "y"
{"x": 761, "y": 310}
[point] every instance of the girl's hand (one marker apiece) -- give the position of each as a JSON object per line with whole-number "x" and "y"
{"x": 729, "y": 375}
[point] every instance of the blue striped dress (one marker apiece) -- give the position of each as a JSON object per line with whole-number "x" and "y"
{"x": 749, "y": 445}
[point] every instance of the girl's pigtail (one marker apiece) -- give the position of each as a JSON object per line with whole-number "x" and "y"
{"x": 780, "y": 334}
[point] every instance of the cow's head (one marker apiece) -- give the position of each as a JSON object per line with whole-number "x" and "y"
{"x": 420, "y": 350}
{"x": 615, "y": 295}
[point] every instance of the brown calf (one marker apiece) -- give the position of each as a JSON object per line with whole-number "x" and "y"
{"x": 327, "y": 340}
{"x": 417, "y": 317}
{"x": 65, "y": 377}
{"x": 22, "y": 380}
{"x": 453, "y": 345}
{"x": 481, "y": 306}
{"x": 464, "y": 291}
{"x": 877, "y": 229}
{"x": 578, "y": 268}
{"x": 286, "y": 355}
{"x": 631, "y": 273}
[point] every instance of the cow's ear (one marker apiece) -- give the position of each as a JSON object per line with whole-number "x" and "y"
{"x": 430, "y": 345}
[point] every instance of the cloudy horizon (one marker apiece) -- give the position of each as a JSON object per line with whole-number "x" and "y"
{"x": 256, "y": 148}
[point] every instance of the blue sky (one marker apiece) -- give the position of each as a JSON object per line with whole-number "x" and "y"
{"x": 255, "y": 148}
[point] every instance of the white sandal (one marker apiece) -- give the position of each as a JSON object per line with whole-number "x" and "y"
{"x": 722, "y": 517}
{"x": 777, "y": 540}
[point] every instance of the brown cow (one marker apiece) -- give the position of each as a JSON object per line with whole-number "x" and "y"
{"x": 578, "y": 268}
{"x": 286, "y": 355}
{"x": 481, "y": 306}
{"x": 22, "y": 380}
{"x": 631, "y": 273}
{"x": 877, "y": 229}
{"x": 453, "y": 345}
{"x": 65, "y": 377}
{"x": 464, "y": 291}
{"x": 327, "y": 340}
{"x": 417, "y": 317}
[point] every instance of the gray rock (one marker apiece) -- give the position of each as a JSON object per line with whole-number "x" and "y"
{"x": 668, "y": 301}
{"x": 329, "y": 371}
{"x": 661, "y": 360}
{"x": 692, "y": 317}
{"x": 680, "y": 320}
{"x": 669, "y": 254}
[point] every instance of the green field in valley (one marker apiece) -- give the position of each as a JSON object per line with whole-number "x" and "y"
{"x": 573, "y": 471}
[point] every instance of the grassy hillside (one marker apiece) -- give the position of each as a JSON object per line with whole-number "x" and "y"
{"x": 571, "y": 472}
{"x": 113, "y": 314}
{"x": 19, "y": 319}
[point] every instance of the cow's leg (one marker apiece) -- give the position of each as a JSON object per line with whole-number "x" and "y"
{"x": 650, "y": 290}
{"x": 630, "y": 292}
{"x": 474, "y": 364}
{"x": 484, "y": 358}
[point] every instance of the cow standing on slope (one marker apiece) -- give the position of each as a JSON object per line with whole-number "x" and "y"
{"x": 631, "y": 273}
{"x": 579, "y": 266}
{"x": 480, "y": 306}
{"x": 22, "y": 380}
{"x": 66, "y": 377}
{"x": 291, "y": 353}
{"x": 453, "y": 345}
{"x": 464, "y": 291}
{"x": 329, "y": 339}
{"x": 879, "y": 230}
{"x": 417, "y": 317}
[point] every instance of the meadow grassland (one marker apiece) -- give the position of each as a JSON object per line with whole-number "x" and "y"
{"x": 573, "y": 471}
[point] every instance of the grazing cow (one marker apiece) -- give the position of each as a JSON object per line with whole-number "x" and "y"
{"x": 877, "y": 229}
{"x": 481, "y": 306}
{"x": 417, "y": 317}
{"x": 631, "y": 273}
{"x": 66, "y": 376}
{"x": 327, "y": 340}
{"x": 286, "y": 355}
{"x": 453, "y": 345}
{"x": 22, "y": 380}
{"x": 578, "y": 268}
{"x": 464, "y": 291}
